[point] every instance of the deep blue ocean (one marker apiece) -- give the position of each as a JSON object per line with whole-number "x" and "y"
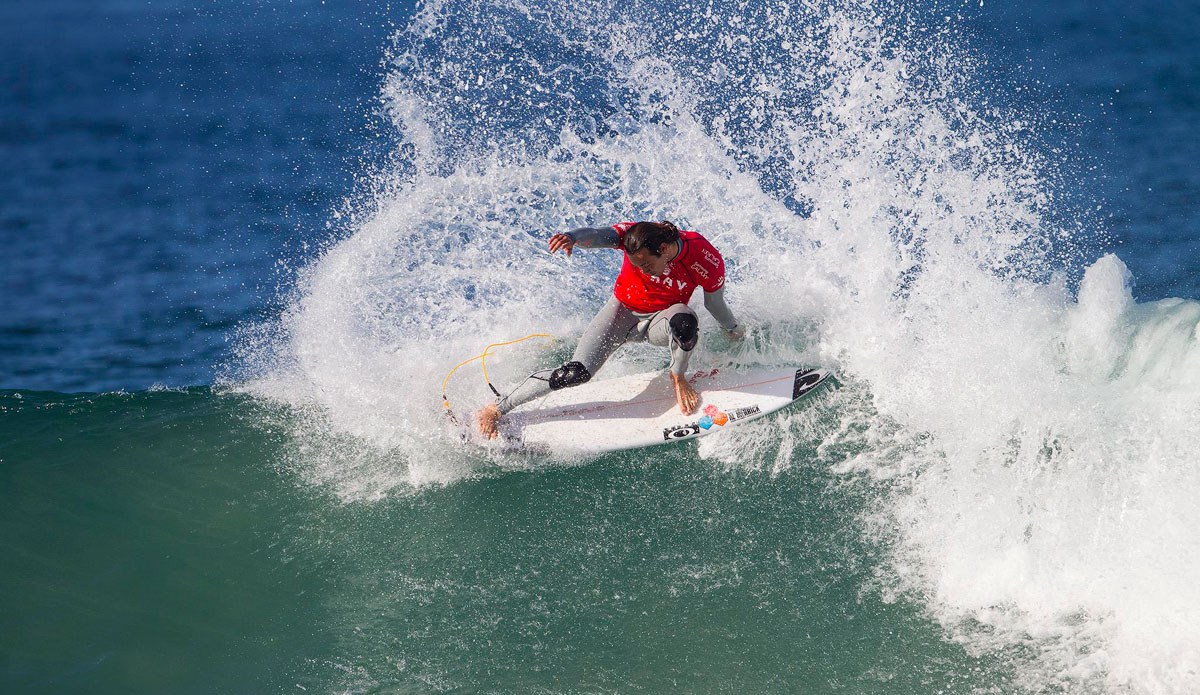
{"x": 241, "y": 243}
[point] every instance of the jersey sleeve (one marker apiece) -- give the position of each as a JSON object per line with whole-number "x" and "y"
{"x": 713, "y": 264}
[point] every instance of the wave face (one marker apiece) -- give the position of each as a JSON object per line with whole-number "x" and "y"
{"x": 1025, "y": 429}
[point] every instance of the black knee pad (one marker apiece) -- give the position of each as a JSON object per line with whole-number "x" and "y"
{"x": 570, "y": 374}
{"x": 686, "y": 329}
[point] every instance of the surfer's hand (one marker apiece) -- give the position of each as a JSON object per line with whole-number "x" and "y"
{"x": 488, "y": 420}
{"x": 562, "y": 241}
{"x": 736, "y": 334}
{"x": 685, "y": 395}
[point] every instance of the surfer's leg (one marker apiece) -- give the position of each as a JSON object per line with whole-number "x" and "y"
{"x": 607, "y": 332}
{"x": 678, "y": 328}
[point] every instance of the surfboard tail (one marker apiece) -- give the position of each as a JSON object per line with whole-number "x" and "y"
{"x": 806, "y": 380}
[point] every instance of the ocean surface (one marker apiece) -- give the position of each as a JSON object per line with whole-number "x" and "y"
{"x": 242, "y": 243}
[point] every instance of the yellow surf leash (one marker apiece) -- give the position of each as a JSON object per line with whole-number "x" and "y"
{"x": 482, "y": 357}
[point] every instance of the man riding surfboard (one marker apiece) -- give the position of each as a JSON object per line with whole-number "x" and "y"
{"x": 662, "y": 268}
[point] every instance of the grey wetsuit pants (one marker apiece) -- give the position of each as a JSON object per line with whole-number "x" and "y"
{"x": 615, "y": 325}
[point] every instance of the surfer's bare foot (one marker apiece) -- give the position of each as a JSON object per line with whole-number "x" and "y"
{"x": 687, "y": 397}
{"x": 488, "y": 421}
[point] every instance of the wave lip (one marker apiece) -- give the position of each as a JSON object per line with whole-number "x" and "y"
{"x": 1071, "y": 533}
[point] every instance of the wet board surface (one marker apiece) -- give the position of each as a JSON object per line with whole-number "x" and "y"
{"x": 640, "y": 410}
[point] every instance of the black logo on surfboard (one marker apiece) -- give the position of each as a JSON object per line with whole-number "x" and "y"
{"x": 680, "y": 432}
{"x": 713, "y": 417}
{"x": 806, "y": 380}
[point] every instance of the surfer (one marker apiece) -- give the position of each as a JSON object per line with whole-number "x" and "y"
{"x": 662, "y": 268}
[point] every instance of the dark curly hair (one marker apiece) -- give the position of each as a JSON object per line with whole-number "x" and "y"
{"x": 651, "y": 236}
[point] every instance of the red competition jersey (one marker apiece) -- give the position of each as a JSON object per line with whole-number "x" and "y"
{"x": 698, "y": 264}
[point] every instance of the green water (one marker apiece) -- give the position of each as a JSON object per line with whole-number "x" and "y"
{"x": 163, "y": 542}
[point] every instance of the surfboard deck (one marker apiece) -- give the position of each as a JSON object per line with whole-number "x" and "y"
{"x": 640, "y": 410}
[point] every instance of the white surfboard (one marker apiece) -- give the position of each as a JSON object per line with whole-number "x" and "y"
{"x": 640, "y": 410}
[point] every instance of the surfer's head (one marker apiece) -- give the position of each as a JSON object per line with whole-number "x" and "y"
{"x": 647, "y": 243}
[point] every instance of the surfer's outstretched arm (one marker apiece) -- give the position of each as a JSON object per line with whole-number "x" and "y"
{"x": 715, "y": 303}
{"x": 596, "y": 237}
{"x": 586, "y": 237}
